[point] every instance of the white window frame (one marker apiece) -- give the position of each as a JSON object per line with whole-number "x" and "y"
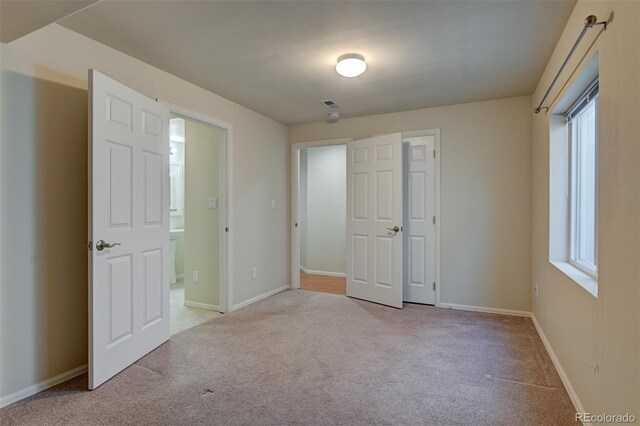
{"x": 591, "y": 270}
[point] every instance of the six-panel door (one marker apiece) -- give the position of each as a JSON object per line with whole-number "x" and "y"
{"x": 374, "y": 210}
{"x": 419, "y": 233}
{"x": 129, "y": 209}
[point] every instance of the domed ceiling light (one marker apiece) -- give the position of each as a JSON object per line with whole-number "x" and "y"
{"x": 351, "y": 65}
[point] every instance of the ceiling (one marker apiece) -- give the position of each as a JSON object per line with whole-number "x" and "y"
{"x": 278, "y": 57}
{"x": 20, "y": 17}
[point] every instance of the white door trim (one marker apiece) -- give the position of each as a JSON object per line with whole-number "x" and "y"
{"x": 295, "y": 172}
{"x": 226, "y": 244}
{"x": 436, "y": 134}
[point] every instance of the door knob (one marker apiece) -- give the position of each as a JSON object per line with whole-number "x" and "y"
{"x": 395, "y": 229}
{"x": 102, "y": 244}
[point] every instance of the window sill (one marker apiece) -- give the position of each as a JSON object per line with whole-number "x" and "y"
{"x": 583, "y": 280}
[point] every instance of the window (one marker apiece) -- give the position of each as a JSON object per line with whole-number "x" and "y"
{"x": 573, "y": 180}
{"x": 582, "y": 119}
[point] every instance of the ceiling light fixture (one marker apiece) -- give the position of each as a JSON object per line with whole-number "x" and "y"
{"x": 334, "y": 116}
{"x": 351, "y": 65}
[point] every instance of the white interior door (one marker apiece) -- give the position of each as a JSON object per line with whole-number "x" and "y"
{"x": 129, "y": 210}
{"x": 374, "y": 219}
{"x": 420, "y": 229}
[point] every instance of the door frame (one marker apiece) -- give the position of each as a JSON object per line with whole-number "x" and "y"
{"x": 436, "y": 134}
{"x": 295, "y": 189}
{"x": 226, "y": 244}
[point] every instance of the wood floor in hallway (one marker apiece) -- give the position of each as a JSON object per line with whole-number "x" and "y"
{"x": 323, "y": 283}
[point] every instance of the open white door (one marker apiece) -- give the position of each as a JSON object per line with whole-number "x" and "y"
{"x": 128, "y": 227}
{"x": 374, "y": 219}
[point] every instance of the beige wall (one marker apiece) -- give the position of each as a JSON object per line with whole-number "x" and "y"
{"x": 486, "y": 193}
{"x": 202, "y": 224}
{"x": 43, "y": 323}
{"x": 582, "y": 330}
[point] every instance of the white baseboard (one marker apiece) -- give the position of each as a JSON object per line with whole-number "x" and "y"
{"x": 556, "y": 362}
{"x": 328, "y": 274}
{"x": 486, "y": 310}
{"x": 262, "y": 296}
{"x": 44, "y": 385}
{"x": 202, "y": 305}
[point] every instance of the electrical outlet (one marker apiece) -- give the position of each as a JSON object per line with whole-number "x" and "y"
{"x": 196, "y": 276}
{"x": 254, "y": 273}
{"x": 536, "y": 290}
{"x": 273, "y": 204}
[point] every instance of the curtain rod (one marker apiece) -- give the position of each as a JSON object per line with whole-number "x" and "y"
{"x": 590, "y": 22}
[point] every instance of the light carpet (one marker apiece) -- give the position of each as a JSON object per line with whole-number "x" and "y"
{"x": 310, "y": 358}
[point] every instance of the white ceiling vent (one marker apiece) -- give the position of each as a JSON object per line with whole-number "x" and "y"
{"x": 330, "y": 104}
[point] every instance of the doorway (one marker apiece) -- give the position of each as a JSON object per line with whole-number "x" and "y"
{"x": 129, "y": 215}
{"x": 322, "y": 218}
{"x": 420, "y": 220}
{"x": 197, "y": 217}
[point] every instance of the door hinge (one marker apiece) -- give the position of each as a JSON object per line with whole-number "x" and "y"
{"x": 434, "y": 286}
{"x": 296, "y": 225}
{"x": 226, "y": 229}
{"x": 90, "y": 245}
{"x": 434, "y": 220}
{"x": 434, "y": 153}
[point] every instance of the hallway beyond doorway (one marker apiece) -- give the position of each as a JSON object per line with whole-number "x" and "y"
{"x": 323, "y": 283}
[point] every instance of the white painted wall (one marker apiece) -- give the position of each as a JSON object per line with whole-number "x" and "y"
{"x": 43, "y": 330}
{"x": 485, "y": 193}
{"x": 323, "y": 188}
{"x": 582, "y": 330}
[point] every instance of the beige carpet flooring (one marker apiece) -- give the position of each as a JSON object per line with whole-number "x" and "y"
{"x": 301, "y": 357}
